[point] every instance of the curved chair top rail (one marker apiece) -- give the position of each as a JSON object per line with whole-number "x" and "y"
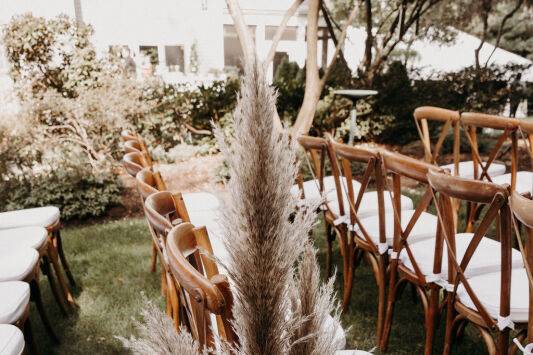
{"x": 133, "y": 163}
{"x": 465, "y": 189}
{"x": 132, "y": 146}
{"x": 146, "y": 183}
{"x": 181, "y": 244}
{"x": 354, "y": 153}
{"x": 484, "y": 120}
{"x": 526, "y": 126}
{"x": 157, "y": 206}
{"x": 436, "y": 114}
{"x": 308, "y": 142}
{"x": 407, "y": 166}
{"x": 127, "y": 135}
{"x": 522, "y": 208}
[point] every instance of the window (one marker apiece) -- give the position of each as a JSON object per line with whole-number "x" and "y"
{"x": 174, "y": 58}
{"x": 151, "y": 53}
{"x": 289, "y": 34}
{"x": 232, "y": 47}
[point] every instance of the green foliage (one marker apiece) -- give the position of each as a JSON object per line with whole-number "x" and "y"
{"x": 76, "y": 189}
{"x": 289, "y": 80}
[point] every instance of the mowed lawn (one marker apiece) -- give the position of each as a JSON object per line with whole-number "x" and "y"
{"x": 111, "y": 264}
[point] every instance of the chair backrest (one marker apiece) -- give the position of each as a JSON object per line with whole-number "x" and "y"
{"x": 471, "y": 121}
{"x": 449, "y": 120}
{"x": 401, "y": 166}
{"x": 149, "y": 182}
{"x": 344, "y": 159}
{"x": 522, "y": 208}
{"x": 526, "y": 126}
{"x": 164, "y": 209}
{"x": 315, "y": 150}
{"x": 134, "y": 162}
{"x": 132, "y": 146}
{"x": 203, "y": 291}
{"x": 135, "y": 143}
{"x": 498, "y": 213}
{"x": 127, "y": 135}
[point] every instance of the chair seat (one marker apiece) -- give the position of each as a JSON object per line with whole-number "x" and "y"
{"x": 466, "y": 169}
{"x": 11, "y": 340}
{"x": 14, "y": 298}
{"x": 312, "y": 188}
{"x": 39, "y": 216}
{"x": 524, "y": 181}
{"x": 486, "y": 259}
{"x": 17, "y": 263}
{"x": 24, "y": 237}
{"x": 369, "y": 204}
{"x": 487, "y": 288}
{"x": 200, "y": 201}
{"x": 424, "y": 228}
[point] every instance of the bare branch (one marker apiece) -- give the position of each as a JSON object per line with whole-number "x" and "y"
{"x": 247, "y": 43}
{"x": 194, "y": 130}
{"x": 279, "y": 32}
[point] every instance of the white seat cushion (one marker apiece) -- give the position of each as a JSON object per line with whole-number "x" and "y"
{"x": 466, "y": 169}
{"x": 14, "y": 298}
{"x": 369, "y": 204}
{"x": 11, "y": 340}
{"x": 487, "y": 289}
{"x": 200, "y": 201}
{"x": 24, "y": 237}
{"x": 17, "y": 263}
{"x": 524, "y": 181}
{"x": 39, "y": 216}
{"x": 487, "y": 257}
{"x": 424, "y": 228}
{"x": 312, "y": 188}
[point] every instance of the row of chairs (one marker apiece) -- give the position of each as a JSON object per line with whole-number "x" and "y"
{"x": 405, "y": 244}
{"x": 197, "y": 295}
{"x": 30, "y": 242}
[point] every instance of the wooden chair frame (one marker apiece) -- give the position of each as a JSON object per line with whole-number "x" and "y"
{"x": 399, "y": 166}
{"x": 450, "y": 119}
{"x": 471, "y": 121}
{"x": 522, "y": 209}
{"x": 498, "y": 211}
{"x": 355, "y": 246}
{"x": 203, "y": 289}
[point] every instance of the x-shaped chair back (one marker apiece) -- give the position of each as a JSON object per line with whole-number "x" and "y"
{"x": 315, "y": 150}
{"x": 522, "y": 208}
{"x": 344, "y": 158}
{"x": 471, "y": 121}
{"x": 400, "y": 166}
{"x": 203, "y": 290}
{"x": 134, "y": 162}
{"x": 445, "y": 187}
{"x": 449, "y": 120}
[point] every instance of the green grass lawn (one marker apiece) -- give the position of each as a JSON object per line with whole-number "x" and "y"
{"x": 111, "y": 264}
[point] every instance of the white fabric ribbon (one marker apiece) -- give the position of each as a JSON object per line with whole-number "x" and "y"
{"x": 393, "y": 254}
{"x": 527, "y": 350}
{"x": 382, "y": 248}
{"x": 341, "y": 219}
{"x": 437, "y": 279}
{"x": 505, "y": 322}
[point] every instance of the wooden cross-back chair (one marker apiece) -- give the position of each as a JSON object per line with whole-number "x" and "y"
{"x": 522, "y": 209}
{"x": 410, "y": 263}
{"x": 163, "y": 211}
{"x": 204, "y": 293}
{"x": 450, "y": 121}
{"x": 133, "y": 142}
{"x": 490, "y": 170}
{"x": 359, "y": 216}
{"x": 133, "y": 163}
{"x": 479, "y": 287}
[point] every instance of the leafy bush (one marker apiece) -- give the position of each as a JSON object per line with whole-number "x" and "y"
{"x": 289, "y": 80}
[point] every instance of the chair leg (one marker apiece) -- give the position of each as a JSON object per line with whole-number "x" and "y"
{"x": 450, "y": 320}
{"x": 56, "y": 292}
{"x": 330, "y": 236}
{"x": 382, "y": 277}
{"x": 347, "y": 269}
{"x": 36, "y": 297}
{"x": 430, "y": 318}
{"x": 503, "y": 341}
{"x": 153, "y": 262}
{"x": 391, "y": 301}
{"x": 29, "y": 338}
{"x": 52, "y": 254}
{"x": 59, "y": 246}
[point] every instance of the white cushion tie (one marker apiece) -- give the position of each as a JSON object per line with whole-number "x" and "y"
{"x": 527, "y": 350}
{"x": 382, "y": 248}
{"x": 323, "y": 207}
{"x": 341, "y": 219}
{"x": 393, "y": 254}
{"x": 505, "y": 322}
